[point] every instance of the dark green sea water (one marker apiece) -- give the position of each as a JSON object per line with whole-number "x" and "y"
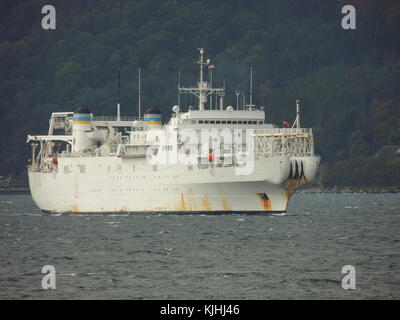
{"x": 298, "y": 255}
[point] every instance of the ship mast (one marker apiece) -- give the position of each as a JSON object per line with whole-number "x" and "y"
{"x": 250, "y": 106}
{"x": 202, "y": 85}
{"x": 297, "y": 113}
{"x": 202, "y": 90}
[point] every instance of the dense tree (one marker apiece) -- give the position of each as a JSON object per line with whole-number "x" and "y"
{"x": 348, "y": 80}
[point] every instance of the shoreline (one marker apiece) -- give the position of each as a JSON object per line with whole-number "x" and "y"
{"x": 15, "y": 190}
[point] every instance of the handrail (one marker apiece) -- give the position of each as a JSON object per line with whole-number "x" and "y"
{"x": 114, "y": 118}
{"x": 288, "y": 131}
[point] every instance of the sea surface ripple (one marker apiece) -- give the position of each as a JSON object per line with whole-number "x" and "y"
{"x": 297, "y": 255}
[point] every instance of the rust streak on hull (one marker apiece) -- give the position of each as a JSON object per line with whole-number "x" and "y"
{"x": 181, "y": 205}
{"x": 265, "y": 201}
{"x": 206, "y": 203}
{"x": 291, "y": 187}
{"x": 266, "y": 205}
{"x": 225, "y": 205}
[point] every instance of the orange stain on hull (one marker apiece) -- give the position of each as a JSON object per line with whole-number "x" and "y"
{"x": 267, "y": 205}
{"x": 291, "y": 187}
{"x": 226, "y": 205}
{"x": 181, "y": 205}
{"x": 192, "y": 204}
{"x": 74, "y": 209}
{"x": 206, "y": 203}
{"x": 265, "y": 201}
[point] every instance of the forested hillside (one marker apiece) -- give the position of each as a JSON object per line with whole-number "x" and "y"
{"x": 348, "y": 80}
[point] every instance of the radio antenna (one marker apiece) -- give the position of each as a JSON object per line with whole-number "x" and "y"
{"x": 179, "y": 84}
{"x": 237, "y": 93}
{"x": 251, "y": 87}
{"x": 140, "y": 93}
{"x": 119, "y": 96}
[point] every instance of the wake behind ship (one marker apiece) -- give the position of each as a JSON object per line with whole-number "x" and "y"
{"x": 208, "y": 158}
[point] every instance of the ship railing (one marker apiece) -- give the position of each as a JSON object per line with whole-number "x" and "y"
{"x": 283, "y": 131}
{"x": 65, "y": 154}
{"x": 215, "y": 165}
{"x": 139, "y": 142}
{"x": 114, "y": 118}
{"x": 284, "y": 141}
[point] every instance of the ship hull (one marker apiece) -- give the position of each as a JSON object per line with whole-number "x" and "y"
{"x": 213, "y": 190}
{"x": 213, "y": 198}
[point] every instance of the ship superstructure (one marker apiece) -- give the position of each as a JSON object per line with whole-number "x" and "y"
{"x": 216, "y": 159}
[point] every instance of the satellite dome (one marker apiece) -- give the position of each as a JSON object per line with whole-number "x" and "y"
{"x": 82, "y": 110}
{"x": 153, "y": 111}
